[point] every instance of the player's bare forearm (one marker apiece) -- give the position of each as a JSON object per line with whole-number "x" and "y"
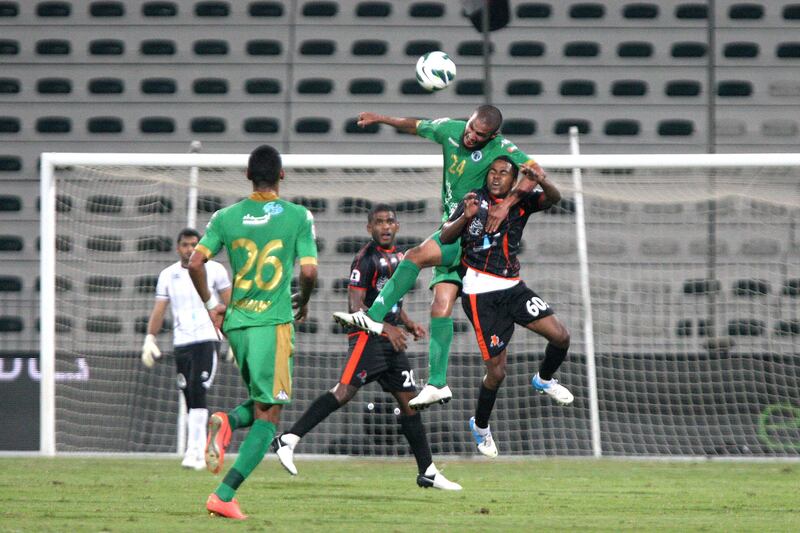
{"x": 225, "y": 296}
{"x": 551, "y": 193}
{"x": 356, "y": 300}
{"x": 157, "y": 317}
{"x": 403, "y": 125}
{"x": 308, "y": 280}
{"x": 532, "y": 175}
{"x": 197, "y": 271}
{"x": 452, "y": 229}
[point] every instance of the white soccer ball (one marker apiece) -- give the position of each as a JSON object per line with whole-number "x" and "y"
{"x": 435, "y": 71}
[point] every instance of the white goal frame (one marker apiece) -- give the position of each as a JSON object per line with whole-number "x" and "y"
{"x": 52, "y": 160}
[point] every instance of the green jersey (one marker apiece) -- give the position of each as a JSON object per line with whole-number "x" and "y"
{"x": 464, "y": 170}
{"x": 263, "y": 236}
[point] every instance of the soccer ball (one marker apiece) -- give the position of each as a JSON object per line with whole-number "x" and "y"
{"x": 435, "y": 71}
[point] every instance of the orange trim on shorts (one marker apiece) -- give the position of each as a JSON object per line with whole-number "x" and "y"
{"x": 355, "y": 357}
{"x": 473, "y": 300}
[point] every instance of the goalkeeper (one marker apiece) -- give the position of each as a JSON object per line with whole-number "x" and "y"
{"x": 494, "y": 298}
{"x": 468, "y": 148}
{"x": 263, "y": 236}
{"x": 195, "y": 339}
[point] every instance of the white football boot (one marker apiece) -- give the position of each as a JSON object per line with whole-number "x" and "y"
{"x": 483, "y": 439}
{"x": 430, "y": 395}
{"x": 359, "y": 320}
{"x": 434, "y": 478}
{"x": 552, "y": 388}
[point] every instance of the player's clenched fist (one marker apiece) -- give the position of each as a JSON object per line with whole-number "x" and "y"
{"x": 471, "y": 205}
{"x": 365, "y": 118}
{"x": 532, "y": 171}
{"x": 150, "y": 351}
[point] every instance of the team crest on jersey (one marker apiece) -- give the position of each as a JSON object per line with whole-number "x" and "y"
{"x": 475, "y": 227}
{"x": 362, "y": 376}
{"x": 477, "y": 156}
{"x": 355, "y": 275}
{"x": 495, "y": 342}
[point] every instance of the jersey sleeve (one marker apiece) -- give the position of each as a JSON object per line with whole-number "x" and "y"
{"x": 162, "y": 286}
{"x": 436, "y": 130}
{"x": 531, "y": 202}
{"x": 306, "y": 250}
{"x": 361, "y": 272}
{"x": 221, "y": 280}
{"x": 515, "y": 154}
{"x": 212, "y": 240}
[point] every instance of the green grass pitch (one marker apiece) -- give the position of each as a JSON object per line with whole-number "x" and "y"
{"x": 152, "y": 495}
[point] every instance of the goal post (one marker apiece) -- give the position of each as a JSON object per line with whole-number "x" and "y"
{"x": 687, "y": 363}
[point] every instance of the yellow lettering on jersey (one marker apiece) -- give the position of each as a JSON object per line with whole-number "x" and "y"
{"x": 458, "y": 166}
{"x": 257, "y": 306}
{"x": 260, "y": 260}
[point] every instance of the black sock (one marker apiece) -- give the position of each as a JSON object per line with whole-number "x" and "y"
{"x": 553, "y": 357}
{"x": 486, "y": 398}
{"x": 316, "y": 413}
{"x": 415, "y": 435}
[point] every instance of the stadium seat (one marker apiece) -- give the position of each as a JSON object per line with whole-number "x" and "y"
{"x": 104, "y": 243}
{"x": 566, "y": 207}
{"x": 791, "y": 287}
{"x": 9, "y": 85}
{"x": 11, "y": 243}
{"x": 9, "y": 125}
{"x": 685, "y": 327}
{"x": 340, "y": 285}
{"x": 524, "y": 88}
{"x": 562, "y": 126}
{"x": 318, "y": 47}
{"x": 157, "y": 125}
{"x": 315, "y": 205}
{"x": 534, "y": 10}
{"x": 350, "y": 245}
{"x": 420, "y": 47}
{"x": 684, "y": 50}
{"x": 426, "y": 10}
{"x": 629, "y": 88}
{"x": 9, "y": 47}
{"x": 53, "y": 125}
{"x": 107, "y": 9}
{"x": 160, "y": 243}
{"x": 692, "y": 11}
{"x": 10, "y": 202}
{"x": 622, "y": 127}
{"x": 210, "y": 47}
{"x": 310, "y": 325}
{"x": 473, "y": 48}
{"x": 320, "y": 9}
{"x": 741, "y": 50}
{"x": 159, "y": 9}
{"x": 154, "y": 204}
{"x": 210, "y": 86}
{"x": 53, "y": 47}
{"x": 587, "y": 11}
{"x": 315, "y": 86}
{"x": 746, "y": 327}
{"x": 734, "y": 88}
{"x": 11, "y": 324}
{"x": 145, "y": 284}
{"x": 411, "y": 86}
{"x": 54, "y": 86}
{"x": 10, "y": 163}
{"x": 640, "y": 11}
{"x": 265, "y": 9}
{"x": 518, "y": 127}
{"x": 349, "y": 206}
{"x": 103, "y": 284}
{"x": 158, "y": 47}
{"x": 53, "y": 9}
{"x": 682, "y": 88}
{"x": 104, "y": 324}
{"x": 106, "y": 47}
{"x": 373, "y": 9}
{"x": 209, "y": 203}
{"x": 635, "y": 49}
{"x": 791, "y": 12}
{"x": 788, "y": 50}
{"x": 212, "y": 9}
{"x": 746, "y": 12}
{"x": 526, "y": 49}
{"x": 469, "y": 87}
{"x": 10, "y": 284}
{"x": 262, "y": 86}
{"x": 351, "y": 126}
{"x": 104, "y": 125}
{"x": 787, "y": 327}
{"x": 581, "y": 49}
{"x": 261, "y": 125}
{"x": 63, "y": 203}
{"x": 675, "y": 128}
{"x": 410, "y": 207}
{"x": 207, "y": 125}
{"x": 9, "y": 9}
{"x": 577, "y": 88}
{"x": 63, "y": 243}
{"x": 140, "y": 324}
{"x": 104, "y": 204}
{"x": 106, "y": 86}
{"x": 369, "y": 47}
{"x": 264, "y": 47}
{"x": 701, "y": 286}
{"x": 312, "y": 125}
{"x": 751, "y": 287}
{"x": 367, "y": 86}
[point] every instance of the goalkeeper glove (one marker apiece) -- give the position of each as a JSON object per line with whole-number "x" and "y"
{"x": 150, "y": 351}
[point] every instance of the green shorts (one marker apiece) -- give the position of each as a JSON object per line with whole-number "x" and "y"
{"x": 264, "y": 355}
{"x": 451, "y": 262}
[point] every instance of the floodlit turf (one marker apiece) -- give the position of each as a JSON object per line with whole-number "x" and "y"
{"x": 153, "y": 495}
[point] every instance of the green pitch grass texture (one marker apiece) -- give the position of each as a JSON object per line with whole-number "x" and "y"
{"x": 152, "y": 495}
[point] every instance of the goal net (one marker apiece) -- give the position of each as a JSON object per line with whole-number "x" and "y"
{"x": 693, "y": 276}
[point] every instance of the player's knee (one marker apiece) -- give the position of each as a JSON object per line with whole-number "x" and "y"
{"x": 441, "y": 308}
{"x": 562, "y": 340}
{"x": 416, "y": 255}
{"x": 495, "y": 375}
{"x": 343, "y": 393}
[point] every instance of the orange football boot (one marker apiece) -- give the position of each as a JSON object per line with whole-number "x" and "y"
{"x": 229, "y": 509}
{"x": 219, "y": 436}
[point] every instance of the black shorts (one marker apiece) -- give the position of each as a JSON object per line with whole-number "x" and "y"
{"x": 373, "y": 358}
{"x": 493, "y": 315}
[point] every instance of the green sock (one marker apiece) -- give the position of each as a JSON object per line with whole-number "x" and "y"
{"x": 398, "y": 285}
{"x": 439, "y": 350}
{"x": 251, "y": 452}
{"x": 241, "y": 416}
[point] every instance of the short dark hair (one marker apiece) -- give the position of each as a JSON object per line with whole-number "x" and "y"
{"x": 264, "y": 165}
{"x": 508, "y": 160}
{"x": 490, "y": 115}
{"x": 188, "y": 232}
{"x": 377, "y": 208}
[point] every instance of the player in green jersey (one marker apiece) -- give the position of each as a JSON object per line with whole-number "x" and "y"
{"x": 263, "y": 236}
{"x": 468, "y": 149}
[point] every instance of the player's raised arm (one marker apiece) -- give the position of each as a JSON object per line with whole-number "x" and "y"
{"x": 533, "y": 175}
{"x": 465, "y": 211}
{"x": 403, "y": 125}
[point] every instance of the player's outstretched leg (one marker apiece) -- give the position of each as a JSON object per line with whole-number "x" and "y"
{"x": 359, "y": 320}
{"x": 483, "y": 438}
{"x": 430, "y": 395}
{"x": 552, "y": 388}
{"x": 283, "y": 446}
{"x": 217, "y": 507}
{"x": 435, "y": 478}
{"x": 219, "y": 436}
